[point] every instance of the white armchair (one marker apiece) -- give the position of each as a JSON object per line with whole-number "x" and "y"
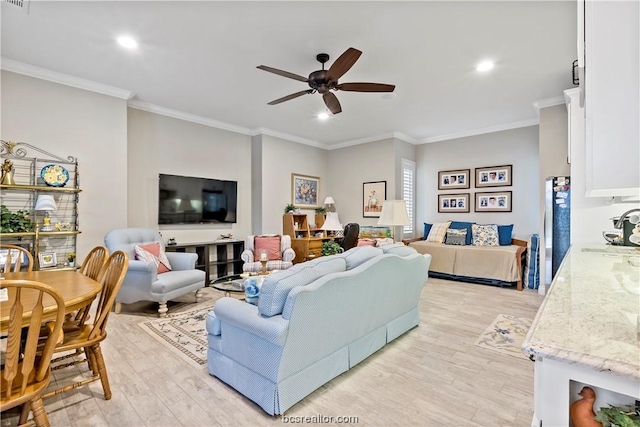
{"x": 251, "y": 257}
{"x": 142, "y": 282}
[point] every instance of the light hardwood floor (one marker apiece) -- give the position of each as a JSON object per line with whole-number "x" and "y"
{"x": 431, "y": 376}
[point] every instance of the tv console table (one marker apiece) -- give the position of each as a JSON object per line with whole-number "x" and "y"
{"x": 224, "y": 260}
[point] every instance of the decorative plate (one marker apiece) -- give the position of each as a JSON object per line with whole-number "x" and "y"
{"x": 54, "y": 175}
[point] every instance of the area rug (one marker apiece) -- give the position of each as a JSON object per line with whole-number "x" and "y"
{"x": 183, "y": 333}
{"x": 505, "y": 335}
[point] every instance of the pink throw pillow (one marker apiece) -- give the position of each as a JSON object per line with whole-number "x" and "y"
{"x": 153, "y": 252}
{"x": 366, "y": 242}
{"x": 268, "y": 244}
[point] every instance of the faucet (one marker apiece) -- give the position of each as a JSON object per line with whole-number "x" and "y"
{"x": 633, "y": 219}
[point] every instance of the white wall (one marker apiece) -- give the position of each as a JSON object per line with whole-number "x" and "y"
{"x": 516, "y": 147}
{"x": 73, "y": 122}
{"x": 161, "y": 144}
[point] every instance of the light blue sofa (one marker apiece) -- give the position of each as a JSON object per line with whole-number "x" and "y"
{"x": 142, "y": 282}
{"x": 315, "y": 321}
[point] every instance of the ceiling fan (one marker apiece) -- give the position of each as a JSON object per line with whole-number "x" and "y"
{"x": 324, "y": 81}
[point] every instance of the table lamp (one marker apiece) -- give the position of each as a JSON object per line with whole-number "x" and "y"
{"x": 394, "y": 213}
{"x": 329, "y": 204}
{"x": 45, "y": 203}
{"x": 332, "y": 224}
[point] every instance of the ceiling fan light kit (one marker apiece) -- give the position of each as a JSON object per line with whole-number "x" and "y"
{"x": 325, "y": 81}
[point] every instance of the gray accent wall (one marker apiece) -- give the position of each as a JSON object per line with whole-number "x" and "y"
{"x": 281, "y": 158}
{"x": 160, "y": 144}
{"x": 351, "y": 167}
{"x": 516, "y": 147}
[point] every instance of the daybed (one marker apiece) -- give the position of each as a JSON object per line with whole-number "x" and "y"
{"x": 481, "y": 253}
{"x": 497, "y": 264}
{"x": 314, "y": 321}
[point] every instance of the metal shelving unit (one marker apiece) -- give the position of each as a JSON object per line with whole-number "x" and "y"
{"x": 28, "y": 162}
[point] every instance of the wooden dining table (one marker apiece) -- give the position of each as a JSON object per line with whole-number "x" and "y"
{"x": 77, "y": 291}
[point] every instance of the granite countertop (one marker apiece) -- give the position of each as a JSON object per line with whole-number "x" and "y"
{"x": 591, "y": 314}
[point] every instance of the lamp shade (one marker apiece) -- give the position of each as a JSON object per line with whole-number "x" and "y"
{"x": 332, "y": 223}
{"x": 394, "y": 212}
{"x": 329, "y": 201}
{"x": 45, "y": 203}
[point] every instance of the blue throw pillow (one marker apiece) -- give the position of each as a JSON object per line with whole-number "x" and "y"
{"x": 460, "y": 225}
{"x": 427, "y": 229}
{"x": 504, "y": 234}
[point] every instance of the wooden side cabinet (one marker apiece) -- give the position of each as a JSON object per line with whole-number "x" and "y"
{"x": 305, "y": 240}
{"x": 217, "y": 259}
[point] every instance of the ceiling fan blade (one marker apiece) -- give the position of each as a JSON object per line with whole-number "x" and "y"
{"x": 365, "y": 87}
{"x": 292, "y": 96}
{"x": 283, "y": 73}
{"x": 343, "y": 64}
{"x": 332, "y": 102}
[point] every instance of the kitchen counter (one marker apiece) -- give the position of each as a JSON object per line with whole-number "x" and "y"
{"x": 591, "y": 314}
{"x": 586, "y": 333}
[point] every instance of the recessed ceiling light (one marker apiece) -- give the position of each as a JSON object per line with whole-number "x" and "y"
{"x": 127, "y": 42}
{"x": 484, "y": 66}
{"x": 323, "y": 116}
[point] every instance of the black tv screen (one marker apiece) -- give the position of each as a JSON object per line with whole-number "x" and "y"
{"x": 191, "y": 200}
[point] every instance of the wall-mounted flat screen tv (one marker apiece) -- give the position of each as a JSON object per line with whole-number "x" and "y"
{"x": 191, "y": 200}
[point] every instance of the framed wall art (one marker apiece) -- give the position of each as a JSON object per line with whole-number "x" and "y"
{"x": 373, "y": 196}
{"x": 495, "y": 201}
{"x": 453, "y": 180}
{"x": 494, "y": 176}
{"x": 305, "y": 191}
{"x": 47, "y": 259}
{"x": 453, "y": 202}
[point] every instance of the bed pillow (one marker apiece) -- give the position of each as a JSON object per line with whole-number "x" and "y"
{"x": 504, "y": 234}
{"x": 438, "y": 232}
{"x": 463, "y": 225}
{"x": 485, "y": 235}
{"x": 456, "y": 237}
{"x": 427, "y": 229}
{"x": 153, "y": 252}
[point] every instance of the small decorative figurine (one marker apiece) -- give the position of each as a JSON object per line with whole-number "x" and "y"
{"x": 7, "y": 173}
{"x": 581, "y": 410}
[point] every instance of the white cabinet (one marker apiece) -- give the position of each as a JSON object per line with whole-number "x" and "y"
{"x": 612, "y": 97}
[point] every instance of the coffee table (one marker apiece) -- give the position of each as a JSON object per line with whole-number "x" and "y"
{"x": 228, "y": 284}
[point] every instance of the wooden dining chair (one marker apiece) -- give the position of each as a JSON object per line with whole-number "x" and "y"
{"x": 16, "y": 255}
{"x": 25, "y": 372}
{"x": 93, "y": 263}
{"x": 89, "y": 336}
{"x": 91, "y": 267}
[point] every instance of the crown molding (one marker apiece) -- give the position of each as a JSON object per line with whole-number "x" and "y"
{"x": 397, "y": 135}
{"x": 406, "y": 138}
{"x": 570, "y": 94}
{"x": 287, "y": 136}
{"x": 163, "y": 111}
{"x": 482, "y": 131}
{"x": 64, "y": 79}
{"x": 549, "y": 102}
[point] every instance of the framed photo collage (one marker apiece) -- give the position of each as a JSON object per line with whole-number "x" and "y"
{"x": 485, "y": 201}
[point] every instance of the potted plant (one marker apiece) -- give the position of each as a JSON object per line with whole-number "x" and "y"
{"x": 71, "y": 257}
{"x": 621, "y": 416}
{"x": 289, "y": 208}
{"x": 330, "y": 248}
{"x": 321, "y": 210}
{"x": 15, "y": 222}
